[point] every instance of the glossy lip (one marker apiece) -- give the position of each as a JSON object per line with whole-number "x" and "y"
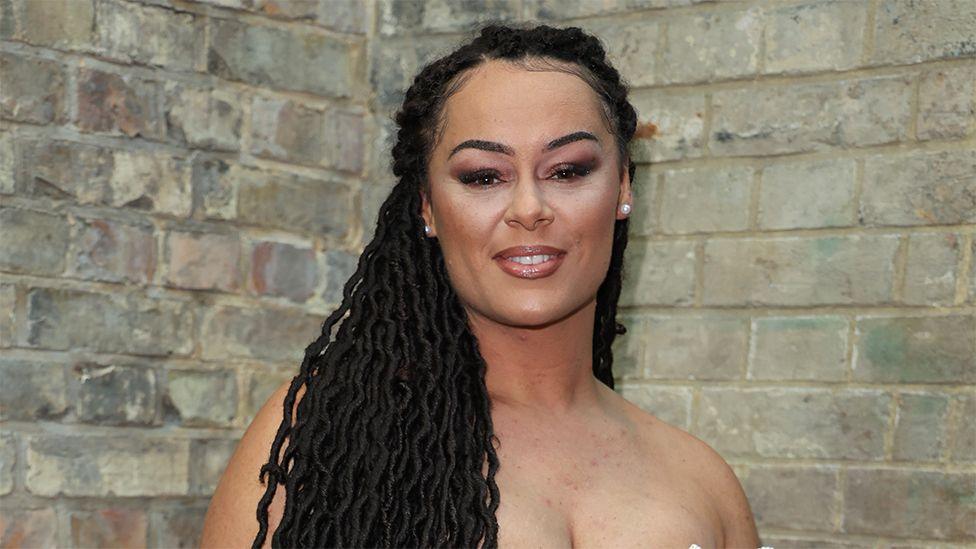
{"x": 519, "y": 270}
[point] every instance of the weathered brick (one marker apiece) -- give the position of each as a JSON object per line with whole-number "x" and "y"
{"x": 344, "y": 145}
{"x": 909, "y": 31}
{"x": 32, "y": 391}
{"x": 112, "y": 251}
{"x": 109, "y": 527}
{"x": 628, "y": 349}
{"x": 810, "y": 117}
{"x": 8, "y": 163}
{"x": 64, "y": 319}
{"x": 317, "y": 63}
{"x": 215, "y": 185}
{"x": 21, "y": 527}
{"x": 670, "y": 126}
{"x": 32, "y": 91}
{"x": 151, "y": 181}
{"x": 33, "y": 242}
{"x": 631, "y": 46}
{"x": 920, "y": 426}
{"x": 963, "y": 439}
{"x": 203, "y": 118}
{"x": 202, "y": 398}
{"x": 644, "y": 188}
{"x": 286, "y": 130}
{"x": 260, "y": 385}
{"x": 119, "y": 105}
{"x": 918, "y": 504}
{"x": 929, "y": 349}
{"x": 102, "y": 466}
{"x": 836, "y": 27}
{"x": 799, "y": 270}
{"x": 266, "y": 333}
{"x": 669, "y": 404}
{"x": 114, "y": 394}
{"x": 920, "y": 188}
{"x": 68, "y": 170}
{"x": 810, "y": 194}
{"x": 210, "y": 458}
{"x": 799, "y": 348}
{"x": 395, "y": 61}
{"x": 815, "y": 542}
{"x": 165, "y": 37}
{"x": 569, "y": 9}
{"x": 398, "y": 16}
{"x": 772, "y": 491}
{"x": 203, "y": 261}
{"x": 930, "y": 272}
{"x": 283, "y": 270}
{"x": 794, "y": 422}
{"x": 698, "y": 46}
{"x": 696, "y": 348}
{"x": 177, "y": 527}
{"x": 705, "y": 200}
{"x": 659, "y": 273}
{"x": 947, "y": 103}
{"x": 317, "y": 207}
{"x": 972, "y": 271}
{"x": 8, "y": 314}
{"x": 8, "y": 460}
{"x": 59, "y": 24}
{"x": 340, "y": 265}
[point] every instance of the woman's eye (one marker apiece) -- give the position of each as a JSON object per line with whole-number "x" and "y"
{"x": 570, "y": 171}
{"x": 481, "y": 178}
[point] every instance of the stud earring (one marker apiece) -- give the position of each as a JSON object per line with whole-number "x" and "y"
{"x": 625, "y": 208}
{"x": 427, "y": 229}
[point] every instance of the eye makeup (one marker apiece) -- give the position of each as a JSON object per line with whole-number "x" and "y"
{"x": 566, "y": 171}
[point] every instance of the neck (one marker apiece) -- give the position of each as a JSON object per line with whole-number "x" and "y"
{"x": 545, "y": 369}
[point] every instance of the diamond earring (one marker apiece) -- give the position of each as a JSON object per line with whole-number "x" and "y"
{"x": 625, "y": 208}
{"x": 427, "y": 229}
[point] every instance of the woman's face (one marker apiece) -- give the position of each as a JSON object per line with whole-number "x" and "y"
{"x": 525, "y": 160}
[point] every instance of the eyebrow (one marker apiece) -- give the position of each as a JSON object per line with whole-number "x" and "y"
{"x": 491, "y": 146}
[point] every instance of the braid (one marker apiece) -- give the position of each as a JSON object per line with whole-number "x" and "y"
{"x": 392, "y": 443}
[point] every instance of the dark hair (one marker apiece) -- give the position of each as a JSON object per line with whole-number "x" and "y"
{"x": 392, "y": 442}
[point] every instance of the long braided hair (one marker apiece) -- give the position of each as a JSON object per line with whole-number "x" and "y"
{"x": 391, "y": 444}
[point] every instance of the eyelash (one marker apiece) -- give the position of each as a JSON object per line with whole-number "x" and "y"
{"x": 471, "y": 178}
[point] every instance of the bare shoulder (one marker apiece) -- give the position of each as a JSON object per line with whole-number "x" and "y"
{"x": 231, "y": 518}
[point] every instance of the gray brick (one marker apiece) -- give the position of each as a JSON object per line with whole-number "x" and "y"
{"x": 32, "y": 391}
{"x": 176, "y": 526}
{"x": 696, "y": 348}
{"x": 705, "y": 200}
{"x": 8, "y": 163}
{"x": 33, "y": 90}
{"x": 61, "y": 319}
{"x": 947, "y": 103}
{"x": 836, "y": 29}
{"x": 799, "y": 270}
{"x": 203, "y": 261}
{"x": 59, "y": 24}
{"x": 340, "y": 15}
{"x": 773, "y": 496}
{"x": 920, "y": 188}
{"x": 399, "y": 16}
{"x": 283, "y": 270}
{"x": 339, "y": 267}
{"x": 34, "y": 242}
{"x": 215, "y": 185}
{"x": 643, "y": 217}
{"x": 963, "y": 440}
{"x": 909, "y": 31}
{"x": 103, "y": 466}
{"x": 165, "y": 37}
{"x": 260, "y": 385}
{"x": 631, "y": 45}
{"x": 394, "y": 62}
{"x": 110, "y": 526}
{"x": 210, "y": 458}
{"x": 920, "y": 426}
{"x": 809, "y": 194}
{"x": 266, "y": 333}
{"x": 670, "y": 126}
{"x": 659, "y": 273}
{"x": 571, "y": 9}
{"x": 316, "y": 207}
{"x": 8, "y": 314}
{"x": 924, "y": 504}
{"x": 118, "y": 105}
{"x": 112, "y": 251}
{"x": 929, "y": 349}
{"x": 698, "y": 46}
{"x": 628, "y": 349}
{"x": 8, "y": 460}
{"x": 814, "y": 542}
{"x": 29, "y": 527}
{"x": 930, "y": 272}
{"x": 794, "y": 423}
{"x": 288, "y": 131}
{"x": 669, "y": 404}
{"x": 799, "y": 348}
{"x": 202, "y": 398}
{"x": 115, "y": 394}
{"x": 202, "y": 117}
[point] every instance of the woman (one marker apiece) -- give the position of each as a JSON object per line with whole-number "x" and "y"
{"x": 466, "y": 398}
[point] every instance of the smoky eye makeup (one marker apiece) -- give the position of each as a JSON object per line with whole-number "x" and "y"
{"x": 564, "y": 171}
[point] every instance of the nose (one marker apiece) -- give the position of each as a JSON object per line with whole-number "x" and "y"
{"x": 528, "y": 206}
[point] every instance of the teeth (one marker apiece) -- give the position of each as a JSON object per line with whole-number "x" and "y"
{"x": 531, "y": 259}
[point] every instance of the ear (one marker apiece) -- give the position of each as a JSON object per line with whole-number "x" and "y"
{"x": 625, "y": 196}
{"x": 427, "y": 213}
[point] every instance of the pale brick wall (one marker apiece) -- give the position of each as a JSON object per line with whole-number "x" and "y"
{"x": 186, "y": 185}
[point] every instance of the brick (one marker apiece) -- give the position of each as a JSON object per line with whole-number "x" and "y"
{"x": 920, "y": 426}
{"x": 910, "y": 31}
{"x": 21, "y": 527}
{"x": 930, "y": 272}
{"x": 266, "y": 333}
{"x": 963, "y": 440}
{"x": 568, "y": 9}
{"x": 61, "y": 319}
{"x": 32, "y": 391}
{"x": 696, "y": 348}
{"x": 103, "y": 466}
{"x": 669, "y": 126}
{"x": 398, "y": 16}
{"x": 644, "y": 188}
{"x": 285, "y": 130}
{"x": 318, "y": 63}
{"x": 628, "y": 349}
{"x": 215, "y": 184}
{"x": 260, "y": 385}
{"x": 659, "y": 273}
{"x": 202, "y": 398}
{"x": 837, "y": 29}
{"x": 669, "y": 404}
{"x": 920, "y": 188}
{"x": 918, "y": 504}
{"x": 930, "y": 349}
{"x": 114, "y": 394}
{"x": 153, "y": 182}
{"x": 8, "y": 314}
{"x": 59, "y": 24}
{"x": 203, "y": 118}
{"x": 282, "y": 270}
{"x": 66, "y": 170}
{"x": 8, "y": 460}
{"x": 807, "y": 195}
{"x": 705, "y": 200}
{"x": 698, "y": 46}
{"x": 808, "y": 542}
{"x": 799, "y": 348}
{"x": 339, "y": 268}
{"x": 810, "y": 117}
{"x": 316, "y": 207}
{"x": 794, "y": 422}
{"x": 166, "y": 38}
{"x": 203, "y": 261}
{"x": 33, "y": 90}
{"x": 109, "y": 527}
{"x": 799, "y": 270}
{"x": 177, "y": 527}
{"x": 107, "y": 250}
{"x": 972, "y": 271}
{"x": 118, "y": 105}
{"x": 34, "y": 242}
{"x": 772, "y": 492}
{"x": 344, "y": 132}
{"x": 394, "y": 63}
{"x": 340, "y": 15}
{"x": 947, "y": 103}
{"x": 210, "y": 458}
{"x": 8, "y": 182}
{"x": 631, "y": 46}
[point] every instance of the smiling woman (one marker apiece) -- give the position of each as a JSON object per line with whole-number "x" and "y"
{"x": 467, "y": 398}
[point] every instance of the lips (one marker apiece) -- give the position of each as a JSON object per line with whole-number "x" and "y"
{"x": 537, "y": 270}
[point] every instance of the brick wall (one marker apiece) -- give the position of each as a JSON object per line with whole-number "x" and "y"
{"x": 186, "y": 185}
